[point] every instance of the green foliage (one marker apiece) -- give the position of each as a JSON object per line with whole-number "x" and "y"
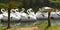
{"x": 2, "y": 5}
{"x": 14, "y": 4}
{"x": 10, "y": 4}
{"x": 35, "y": 4}
{"x": 56, "y": 1}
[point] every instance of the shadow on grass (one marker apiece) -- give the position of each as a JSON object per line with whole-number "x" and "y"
{"x": 47, "y": 27}
{"x": 3, "y": 28}
{"x": 6, "y": 28}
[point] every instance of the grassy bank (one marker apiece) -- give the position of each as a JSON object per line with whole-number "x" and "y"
{"x": 42, "y": 26}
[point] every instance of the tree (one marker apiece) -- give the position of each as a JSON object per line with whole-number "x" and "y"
{"x": 47, "y": 9}
{"x": 10, "y": 5}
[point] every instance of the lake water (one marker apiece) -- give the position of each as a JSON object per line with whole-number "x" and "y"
{"x": 53, "y": 22}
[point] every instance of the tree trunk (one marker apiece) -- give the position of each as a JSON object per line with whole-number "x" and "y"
{"x": 8, "y": 26}
{"x": 49, "y": 24}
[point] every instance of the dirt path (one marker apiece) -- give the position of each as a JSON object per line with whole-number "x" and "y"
{"x": 26, "y": 28}
{"x": 58, "y": 28}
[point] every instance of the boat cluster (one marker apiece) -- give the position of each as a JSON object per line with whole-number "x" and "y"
{"x": 30, "y": 15}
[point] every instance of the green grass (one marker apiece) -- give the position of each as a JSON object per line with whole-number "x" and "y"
{"x": 43, "y": 26}
{"x": 53, "y": 28}
{"x": 2, "y": 28}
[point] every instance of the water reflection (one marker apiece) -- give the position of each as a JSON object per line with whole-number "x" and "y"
{"x": 53, "y": 22}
